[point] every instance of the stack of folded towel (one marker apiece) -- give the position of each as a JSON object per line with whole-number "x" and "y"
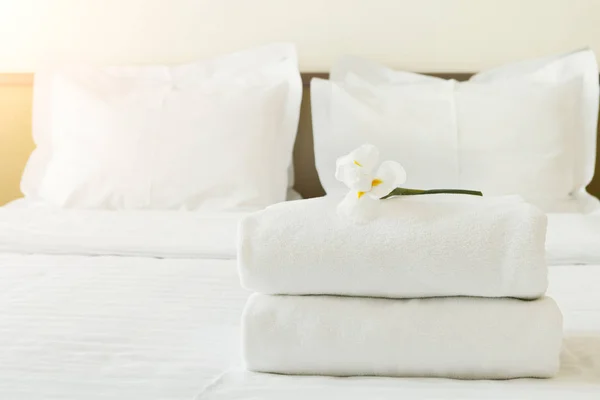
{"x": 440, "y": 285}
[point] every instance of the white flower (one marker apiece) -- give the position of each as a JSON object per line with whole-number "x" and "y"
{"x": 367, "y": 185}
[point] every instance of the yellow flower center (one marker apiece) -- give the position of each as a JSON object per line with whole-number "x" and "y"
{"x": 374, "y": 182}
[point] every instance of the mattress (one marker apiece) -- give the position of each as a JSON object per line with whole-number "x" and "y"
{"x": 116, "y": 313}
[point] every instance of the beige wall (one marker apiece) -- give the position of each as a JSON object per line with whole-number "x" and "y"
{"x": 423, "y": 35}
{"x": 15, "y": 133}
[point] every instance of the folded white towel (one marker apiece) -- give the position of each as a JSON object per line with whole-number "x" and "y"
{"x": 420, "y": 246}
{"x": 458, "y": 337}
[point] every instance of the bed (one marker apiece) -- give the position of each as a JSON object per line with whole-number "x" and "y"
{"x": 127, "y": 326}
{"x": 146, "y": 305}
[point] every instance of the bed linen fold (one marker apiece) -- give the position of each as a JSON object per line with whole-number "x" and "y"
{"x": 420, "y": 246}
{"x": 166, "y": 234}
{"x": 466, "y": 338}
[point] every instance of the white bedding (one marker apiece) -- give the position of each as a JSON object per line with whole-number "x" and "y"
{"x": 107, "y": 327}
{"x": 33, "y": 230}
{"x": 575, "y": 289}
{"x": 75, "y": 327}
{"x": 573, "y": 239}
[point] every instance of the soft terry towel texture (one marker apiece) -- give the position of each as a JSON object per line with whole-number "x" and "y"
{"x": 468, "y": 338}
{"x": 420, "y": 246}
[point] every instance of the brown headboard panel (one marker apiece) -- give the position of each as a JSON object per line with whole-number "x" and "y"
{"x": 306, "y": 179}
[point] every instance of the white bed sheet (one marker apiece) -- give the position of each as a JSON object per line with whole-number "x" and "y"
{"x": 163, "y": 323}
{"x": 35, "y": 228}
{"x": 132, "y": 328}
{"x": 30, "y": 229}
{"x": 74, "y": 327}
{"x": 573, "y": 239}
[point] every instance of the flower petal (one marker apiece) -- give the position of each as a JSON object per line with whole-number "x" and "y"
{"x": 342, "y": 164}
{"x": 352, "y": 175}
{"x": 389, "y": 176}
{"x": 366, "y": 156}
{"x": 358, "y": 209}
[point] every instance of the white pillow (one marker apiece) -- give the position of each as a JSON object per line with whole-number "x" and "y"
{"x": 374, "y": 73}
{"x": 554, "y": 70}
{"x": 512, "y": 135}
{"x": 514, "y": 138}
{"x": 210, "y": 135}
{"x": 407, "y": 123}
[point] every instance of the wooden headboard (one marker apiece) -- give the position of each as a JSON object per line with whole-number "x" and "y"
{"x": 16, "y": 143}
{"x": 306, "y": 177}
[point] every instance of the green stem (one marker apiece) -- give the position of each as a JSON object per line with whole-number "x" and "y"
{"x": 416, "y": 192}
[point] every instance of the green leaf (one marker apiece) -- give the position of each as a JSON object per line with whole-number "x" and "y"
{"x": 416, "y": 192}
